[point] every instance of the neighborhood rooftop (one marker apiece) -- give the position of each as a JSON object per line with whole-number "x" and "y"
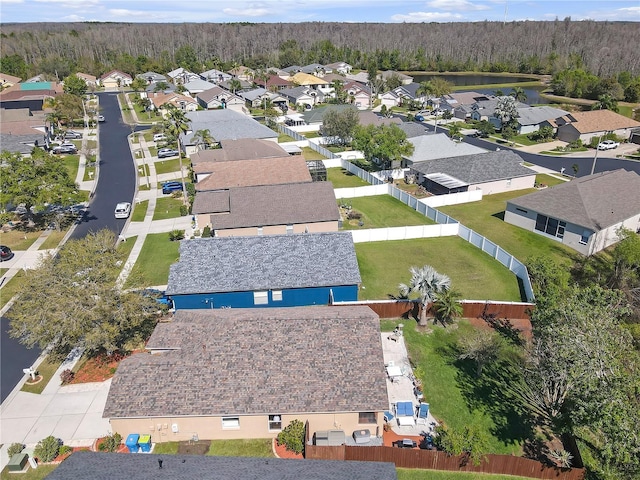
{"x": 439, "y": 145}
{"x": 255, "y": 361}
{"x": 226, "y": 124}
{"x": 231, "y": 264}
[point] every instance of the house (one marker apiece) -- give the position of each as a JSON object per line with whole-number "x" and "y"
{"x": 585, "y": 213}
{"x": 360, "y": 77}
{"x": 435, "y": 146}
{"x": 390, "y": 99}
{"x": 312, "y": 82}
{"x": 265, "y": 271}
{"x": 115, "y": 79}
{"x": 219, "y": 373}
{"x": 258, "y": 97}
{"x": 358, "y": 94}
{"x": 342, "y": 68}
{"x": 244, "y": 85}
{"x": 215, "y": 76}
{"x": 162, "y": 101}
{"x": 302, "y": 96}
{"x": 242, "y": 73}
{"x": 316, "y": 116}
{"x": 7, "y": 80}
{"x": 387, "y": 74}
{"x": 152, "y": 77}
{"x": 594, "y": 123}
{"x": 180, "y": 76}
{"x": 30, "y": 95}
{"x": 273, "y": 83}
{"x": 485, "y": 110}
{"x": 532, "y": 119}
{"x": 491, "y": 172}
{"x": 409, "y": 93}
{"x": 367, "y": 117}
{"x": 90, "y": 80}
{"x": 102, "y": 465}
{"x": 316, "y": 69}
{"x": 256, "y": 171}
{"x": 268, "y": 209}
{"x": 194, "y": 87}
{"x": 224, "y": 125}
{"x": 21, "y": 130}
{"x": 218, "y": 97}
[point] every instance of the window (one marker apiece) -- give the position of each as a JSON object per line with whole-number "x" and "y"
{"x": 276, "y": 295}
{"x": 367, "y": 417}
{"x": 230, "y": 422}
{"x": 260, "y": 298}
{"x": 550, "y": 226}
{"x": 584, "y": 238}
{"x": 275, "y": 422}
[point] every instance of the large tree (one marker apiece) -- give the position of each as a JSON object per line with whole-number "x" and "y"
{"x": 72, "y": 301}
{"x": 426, "y": 282}
{"x": 338, "y": 125}
{"x": 74, "y": 85}
{"x": 382, "y": 144}
{"x": 178, "y": 123}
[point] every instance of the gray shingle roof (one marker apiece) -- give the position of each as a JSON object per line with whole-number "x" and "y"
{"x": 239, "y": 264}
{"x": 211, "y": 202}
{"x": 595, "y": 201}
{"x": 333, "y": 362}
{"x": 286, "y": 204}
{"x": 479, "y": 168}
{"x": 241, "y": 149}
{"x": 107, "y": 466}
{"x": 225, "y": 124}
{"x": 435, "y": 146}
{"x": 535, "y": 115}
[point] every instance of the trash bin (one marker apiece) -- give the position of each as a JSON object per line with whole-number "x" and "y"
{"x": 145, "y": 443}
{"x": 132, "y": 442}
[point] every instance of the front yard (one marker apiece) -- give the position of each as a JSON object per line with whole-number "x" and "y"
{"x": 167, "y": 207}
{"x": 152, "y": 266}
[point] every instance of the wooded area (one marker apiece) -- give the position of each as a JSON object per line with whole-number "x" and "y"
{"x": 601, "y": 48}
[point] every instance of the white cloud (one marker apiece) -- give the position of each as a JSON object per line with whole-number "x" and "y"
{"x": 418, "y": 17}
{"x": 12, "y": 1}
{"x": 124, "y": 13}
{"x": 70, "y": 3}
{"x": 456, "y": 5}
{"x": 246, "y": 12}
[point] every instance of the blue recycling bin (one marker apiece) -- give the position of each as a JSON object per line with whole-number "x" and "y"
{"x": 132, "y": 442}
{"x": 145, "y": 443}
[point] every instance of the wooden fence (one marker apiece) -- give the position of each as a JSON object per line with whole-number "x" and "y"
{"x": 436, "y": 460}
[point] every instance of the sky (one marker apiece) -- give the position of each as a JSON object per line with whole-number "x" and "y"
{"x": 294, "y": 11}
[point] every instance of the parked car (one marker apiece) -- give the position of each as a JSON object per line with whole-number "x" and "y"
{"x": 167, "y": 152}
{"x": 123, "y": 209}
{"x": 65, "y": 148}
{"x": 608, "y": 145}
{"x": 159, "y": 137}
{"x": 70, "y": 134}
{"x": 5, "y": 253}
{"x": 419, "y": 118}
{"x": 101, "y": 118}
{"x": 169, "y": 187}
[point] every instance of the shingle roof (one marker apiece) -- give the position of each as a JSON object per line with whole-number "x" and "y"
{"x": 367, "y": 117}
{"x": 211, "y": 202}
{"x": 601, "y": 120}
{"x": 434, "y": 146}
{"x": 305, "y": 79}
{"x": 241, "y": 149}
{"x": 290, "y": 204}
{"x": 535, "y": 115}
{"x": 198, "y": 85}
{"x": 257, "y": 171}
{"x": 478, "y": 168}
{"x": 240, "y": 264}
{"x": 334, "y": 363}
{"x": 595, "y": 201}
{"x": 107, "y": 466}
{"x": 317, "y": 114}
{"x": 225, "y": 124}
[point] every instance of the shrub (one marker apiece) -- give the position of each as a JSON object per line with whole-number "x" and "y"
{"x": 15, "y": 448}
{"x": 206, "y": 232}
{"x": 354, "y": 215}
{"x": 175, "y": 235}
{"x": 184, "y": 210}
{"x": 67, "y": 376}
{"x": 110, "y": 443}
{"x": 47, "y": 449}
{"x": 292, "y": 436}
{"x": 64, "y": 449}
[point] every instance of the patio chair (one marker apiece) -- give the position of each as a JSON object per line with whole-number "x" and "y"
{"x": 423, "y": 414}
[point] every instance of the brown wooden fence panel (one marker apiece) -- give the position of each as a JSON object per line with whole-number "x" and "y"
{"x": 435, "y": 460}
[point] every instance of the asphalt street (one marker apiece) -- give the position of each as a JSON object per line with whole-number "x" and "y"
{"x": 116, "y": 183}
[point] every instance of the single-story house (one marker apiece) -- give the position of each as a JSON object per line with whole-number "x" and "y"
{"x": 367, "y": 117}
{"x": 435, "y": 146}
{"x": 194, "y": 87}
{"x": 387, "y": 74}
{"x": 316, "y": 69}
{"x": 255, "y": 171}
{"x": 152, "y": 77}
{"x": 242, "y": 73}
{"x": 316, "y": 116}
{"x": 342, "y": 68}
{"x": 218, "y": 97}
{"x": 305, "y": 96}
{"x": 491, "y": 172}
{"x": 311, "y": 81}
{"x": 7, "y": 80}
{"x": 215, "y": 76}
{"x": 265, "y": 271}
{"x": 21, "y": 130}
{"x": 244, "y": 85}
{"x": 180, "y": 76}
{"x": 585, "y": 213}
{"x": 485, "y": 110}
{"x": 273, "y": 83}
{"x": 257, "y": 98}
{"x": 390, "y": 99}
{"x": 358, "y": 94}
{"x": 362, "y": 77}
{"x": 90, "y": 80}
{"x": 532, "y": 119}
{"x": 30, "y": 95}
{"x": 224, "y": 124}
{"x": 115, "y": 79}
{"x": 268, "y": 209}
{"x": 593, "y": 123}
{"x": 409, "y": 92}
{"x": 102, "y": 465}
{"x": 219, "y": 374}
{"x": 161, "y": 102}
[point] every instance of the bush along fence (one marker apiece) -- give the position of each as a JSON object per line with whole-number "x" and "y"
{"x": 483, "y": 243}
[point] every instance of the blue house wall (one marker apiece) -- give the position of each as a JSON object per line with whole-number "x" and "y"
{"x": 293, "y": 297}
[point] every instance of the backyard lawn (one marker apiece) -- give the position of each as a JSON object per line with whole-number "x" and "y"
{"x": 342, "y": 178}
{"x": 152, "y": 267}
{"x": 382, "y": 211}
{"x": 486, "y": 218}
{"x": 310, "y": 154}
{"x": 225, "y": 448}
{"x": 477, "y": 276}
{"x": 415, "y": 474}
{"x": 167, "y": 207}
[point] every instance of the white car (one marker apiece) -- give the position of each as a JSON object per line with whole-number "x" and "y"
{"x": 123, "y": 209}
{"x": 608, "y": 145}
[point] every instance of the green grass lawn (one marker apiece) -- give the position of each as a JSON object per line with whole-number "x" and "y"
{"x": 89, "y": 173}
{"x": 152, "y": 267}
{"x": 71, "y": 163}
{"x": 342, "y": 178}
{"x": 382, "y": 211}
{"x": 11, "y": 288}
{"x": 54, "y": 239}
{"x": 284, "y": 138}
{"x": 473, "y": 273}
{"x": 549, "y": 180}
{"x": 167, "y": 207}
{"x": 47, "y": 368}
{"x": 241, "y": 448}
{"x": 139, "y": 211}
{"x": 168, "y": 166}
{"x": 38, "y": 474}
{"x": 310, "y": 154}
{"x": 19, "y": 240}
{"x": 486, "y": 218}
{"x": 415, "y": 474}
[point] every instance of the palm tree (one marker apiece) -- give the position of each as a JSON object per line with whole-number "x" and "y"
{"x": 203, "y": 137}
{"x": 518, "y": 94}
{"x": 454, "y": 130}
{"x": 605, "y": 102}
{"x": 427, "y": 283}
{"x": 178, "y": 123}
{"x": 447, "y": 306}
{"x": 235, "y": 85}
{"x": 424, "y": 90}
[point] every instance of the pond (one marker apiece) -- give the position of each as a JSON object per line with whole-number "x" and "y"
{"x": 533, "y": 94}
{"x": 473, "y": 79}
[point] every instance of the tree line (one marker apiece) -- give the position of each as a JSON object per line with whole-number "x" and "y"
{"x": 58, "y": 49}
